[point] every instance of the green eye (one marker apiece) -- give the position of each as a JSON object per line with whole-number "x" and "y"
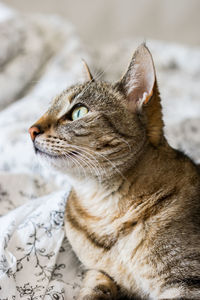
{"x": 79, "y": 112}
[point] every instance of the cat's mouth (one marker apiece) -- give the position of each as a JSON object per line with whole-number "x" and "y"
{"x": 43, "y": 153}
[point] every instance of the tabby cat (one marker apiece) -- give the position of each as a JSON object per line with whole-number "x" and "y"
{"x": 133, "y": 215}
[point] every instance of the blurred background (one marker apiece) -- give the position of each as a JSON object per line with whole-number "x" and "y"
{"x": 102, "y": 21}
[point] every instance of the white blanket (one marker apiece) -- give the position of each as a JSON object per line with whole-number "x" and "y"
{"x": 39, "y": 57}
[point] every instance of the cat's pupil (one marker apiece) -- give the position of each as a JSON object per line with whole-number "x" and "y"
{"x": 79, "y": 112}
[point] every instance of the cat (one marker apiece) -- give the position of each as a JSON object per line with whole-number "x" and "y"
{"x": 133, "y": 214}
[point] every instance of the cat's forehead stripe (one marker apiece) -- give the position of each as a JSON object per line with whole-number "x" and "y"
{"x": 69, "y": 97}
{"x": 64, "y": 104}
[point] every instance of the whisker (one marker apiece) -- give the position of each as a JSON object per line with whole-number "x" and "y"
{"x": 86, "y": 152}
{"x": 98, "y": 170}
{"x": 93, "y": 158}
{"x": 105, "y": 158}
{"x": 89, "y": 165}
{"x": 113, "y": 165}
{"x": 76, "y": 162}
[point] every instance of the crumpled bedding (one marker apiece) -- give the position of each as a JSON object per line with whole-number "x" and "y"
{"x": 39, "y": 57}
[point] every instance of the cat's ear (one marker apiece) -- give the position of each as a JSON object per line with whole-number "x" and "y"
{"x": 139, "y": 80}
{"x": 87, "y": 70}
{"x": 140, "y": 88}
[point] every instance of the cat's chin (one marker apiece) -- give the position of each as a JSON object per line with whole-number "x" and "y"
{"x": 45, "y": 155}
{"x": 58, "y": 163}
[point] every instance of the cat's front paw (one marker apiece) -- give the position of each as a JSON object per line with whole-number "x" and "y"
{"x": 98, "y": 286}
{"x": 100, "y": 292}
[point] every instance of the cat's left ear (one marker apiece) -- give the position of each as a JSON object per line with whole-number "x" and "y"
{"x": 139, "y": 86}
{"x": 139, "y": 80}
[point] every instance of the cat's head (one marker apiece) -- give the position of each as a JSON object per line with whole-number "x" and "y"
{"x": 98, "y": 129}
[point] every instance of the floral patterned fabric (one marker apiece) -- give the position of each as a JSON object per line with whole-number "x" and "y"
{"x": 36, "y": 260}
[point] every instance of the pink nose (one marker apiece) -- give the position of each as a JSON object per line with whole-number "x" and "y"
{"x": 34, "y": 131}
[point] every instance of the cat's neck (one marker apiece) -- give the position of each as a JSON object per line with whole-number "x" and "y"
{"x": 95, "y": 196}
{"x": 146, "y": 179}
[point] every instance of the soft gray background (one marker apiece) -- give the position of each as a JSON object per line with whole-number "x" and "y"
{"x": 99, "y": 21}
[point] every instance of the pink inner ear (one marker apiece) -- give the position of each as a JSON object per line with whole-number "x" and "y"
{"x": 139, "y": 80}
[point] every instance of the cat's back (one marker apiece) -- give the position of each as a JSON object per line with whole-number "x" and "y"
{"x": 170, "y": 253}
{"x": 174, "y": 232}
{"x": 180, "y": 210}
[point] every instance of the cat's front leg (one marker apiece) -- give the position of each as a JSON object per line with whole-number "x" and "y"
{"x": 98, "y": 286}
